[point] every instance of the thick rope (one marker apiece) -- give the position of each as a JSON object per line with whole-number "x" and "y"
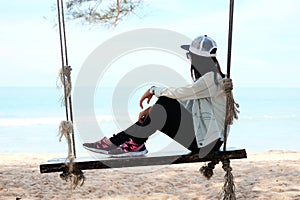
{"x": 229, "y": 187}
{"x": 231, "y": 105}
{"x": 73, "y": 175}
{"x": 65, "y": 129}
{"x": 231, "y": 114}
{"x": 65, "y": 80}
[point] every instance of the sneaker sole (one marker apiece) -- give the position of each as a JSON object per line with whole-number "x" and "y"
{"x": 129, "y": 154}
{"x": 96, "y": 150}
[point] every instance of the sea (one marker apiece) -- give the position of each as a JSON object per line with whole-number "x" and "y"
{"x": 269, "y": 119}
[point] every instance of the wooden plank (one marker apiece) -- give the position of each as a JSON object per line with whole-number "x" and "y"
{"x": 58, "y": 165}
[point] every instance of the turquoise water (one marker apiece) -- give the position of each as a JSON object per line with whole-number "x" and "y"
{"x": 29, "y": 118}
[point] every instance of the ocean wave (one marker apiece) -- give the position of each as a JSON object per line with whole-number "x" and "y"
{"x": 282, "y": 116}
{"x": 9, "y": 122}
{"x": 6, "y": 122}
{"x": 271, "y": 117}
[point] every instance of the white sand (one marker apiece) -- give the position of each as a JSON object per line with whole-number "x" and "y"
{"x": 269, "y": 175}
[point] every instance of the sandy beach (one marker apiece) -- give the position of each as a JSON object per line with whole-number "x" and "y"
{"x": 264, "y": 175}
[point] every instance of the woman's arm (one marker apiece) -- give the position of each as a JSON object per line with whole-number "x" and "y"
{"x": 202, "y": 88}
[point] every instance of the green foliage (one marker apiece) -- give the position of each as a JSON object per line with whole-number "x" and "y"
{"x": 106, "y": 12}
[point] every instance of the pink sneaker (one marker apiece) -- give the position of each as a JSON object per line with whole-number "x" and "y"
{"x": 128, "y": 149}
{"x": 102, "y": 146}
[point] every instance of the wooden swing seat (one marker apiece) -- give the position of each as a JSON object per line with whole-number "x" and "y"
{"x": 88, "y": 163}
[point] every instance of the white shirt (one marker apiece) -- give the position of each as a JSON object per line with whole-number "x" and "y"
{"x": 206, "y": 100}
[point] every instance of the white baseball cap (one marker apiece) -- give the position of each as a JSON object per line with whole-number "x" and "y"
{"x": 202, "y": 46}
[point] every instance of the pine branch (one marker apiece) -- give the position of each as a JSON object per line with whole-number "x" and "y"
{"x": 101, "y": 11}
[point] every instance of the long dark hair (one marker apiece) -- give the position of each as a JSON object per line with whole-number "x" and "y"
{"x": 218, "y": 66}
{"x": 196, "y": 75}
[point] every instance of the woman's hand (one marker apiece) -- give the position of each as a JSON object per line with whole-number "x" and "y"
{"x": 148, "y": 96}
{"x": 143, "y": 114}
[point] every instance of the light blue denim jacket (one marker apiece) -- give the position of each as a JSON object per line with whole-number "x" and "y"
{"x": 206, "y": 100}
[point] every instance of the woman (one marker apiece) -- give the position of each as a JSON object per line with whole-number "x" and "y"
{"x": 192, "y": 115}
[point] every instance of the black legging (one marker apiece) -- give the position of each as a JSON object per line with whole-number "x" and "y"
{"x": 166, "y": 115}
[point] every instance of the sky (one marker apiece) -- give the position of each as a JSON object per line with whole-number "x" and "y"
{"x": 266, "y": 40}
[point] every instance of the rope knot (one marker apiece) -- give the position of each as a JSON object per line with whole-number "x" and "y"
{"x": 207, "y": 170}
{"x": 227, "y": 85}
{"x": 65, "y": 129}
{"x": 231, "y": 105}
{"x": 65, "y": 80}
{"x": 226, "y": 166}
{"x": 67, "y": 71}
